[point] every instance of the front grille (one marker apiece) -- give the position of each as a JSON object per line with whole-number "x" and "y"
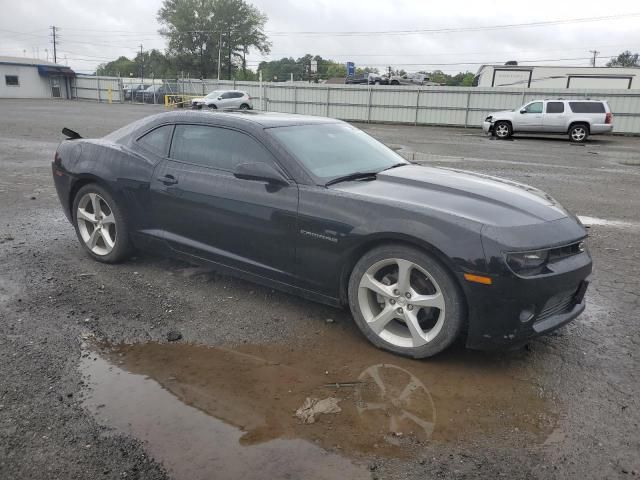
{"x": 561, "y": 303}
{"x": 559, "y": 253}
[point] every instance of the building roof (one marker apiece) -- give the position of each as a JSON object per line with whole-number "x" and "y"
{"x": 44, "y": 67}
{"x": 566, "y": 67}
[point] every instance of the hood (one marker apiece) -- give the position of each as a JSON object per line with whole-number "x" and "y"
{"x": 476, "y": 197}
{"x": 499, "y": 111}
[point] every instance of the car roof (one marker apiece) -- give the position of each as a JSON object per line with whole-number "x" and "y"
{"x": 235, "y": 117}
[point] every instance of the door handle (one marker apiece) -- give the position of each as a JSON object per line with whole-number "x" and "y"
{"x": 168, "y": 180}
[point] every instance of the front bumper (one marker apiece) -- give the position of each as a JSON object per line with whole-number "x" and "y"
{"x": 515, "y": 309}
{"x": 487, "y": 127}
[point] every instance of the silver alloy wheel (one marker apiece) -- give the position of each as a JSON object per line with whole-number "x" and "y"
{"x": 578, "y": 134}
{"x": 96, "y": 224}
{"x": 502, "y": 130}
{"x": 401, "y": 303}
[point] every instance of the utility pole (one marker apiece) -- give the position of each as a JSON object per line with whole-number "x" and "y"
{"x": 141, "y": 66}
{"x": 219, "y": 54}
{"x": 595, "y": 54}
{"x": 229, "y": 66}
{"x": 53, "y": 35}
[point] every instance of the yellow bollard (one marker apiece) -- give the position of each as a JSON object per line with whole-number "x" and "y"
{"x": 109, "y": 94}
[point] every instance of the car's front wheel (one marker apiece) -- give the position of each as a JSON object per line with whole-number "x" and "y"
{"x": 100, "y": 225}
{"x": 212, "y": 106}
{"x": 502, "y": 129}
{"x": 405, "y": 301}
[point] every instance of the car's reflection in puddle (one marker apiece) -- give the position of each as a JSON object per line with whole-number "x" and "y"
{"x": 203, "y": 410}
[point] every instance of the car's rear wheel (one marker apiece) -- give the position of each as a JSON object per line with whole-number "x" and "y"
{"x": 394, "y": 82}
{"x": 244, "y": 106}
{"x": 502, "y": 129}
{"x": 405, "y": 301}
{"x": 578, "y": 133}
{"x": 100, "y": 225}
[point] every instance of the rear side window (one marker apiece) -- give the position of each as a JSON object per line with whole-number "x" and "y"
{"x": 555, "y": 107}
{"x": 587, "y": 107}
{"x": 215, "y": 147}
{"x": 157, "y": 140}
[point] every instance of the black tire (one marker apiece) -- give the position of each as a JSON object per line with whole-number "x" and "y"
{"x": 212, "y": 106}
{"x": 244, "y": 106}
{"x": 579, "y": 133}
{"x": 504, "y": 126}
{"x": 455, "y": 306}
{"x": 394, "y": 82}
{"x": 122, "y": 248}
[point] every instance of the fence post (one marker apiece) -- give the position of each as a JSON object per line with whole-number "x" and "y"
{"x": 121, "y": 89}
{"x": 466, "y": 110}
{"x": 295, "y": 99}
{"x": 415, "y": 122}
{"x": 369, "y": 105}
{"x": 99, "y": 97}
{"x": 327, "y": 106}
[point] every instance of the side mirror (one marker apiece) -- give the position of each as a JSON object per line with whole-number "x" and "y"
{"x": 220, "y": 98}
{"x": 259, "y": 172}
{"x": 524, "y": 110}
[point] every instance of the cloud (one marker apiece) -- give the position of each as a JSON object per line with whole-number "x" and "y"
{"x": 96, "y": 31}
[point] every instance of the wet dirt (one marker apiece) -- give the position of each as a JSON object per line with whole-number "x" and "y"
{"x": 202, "y": 409}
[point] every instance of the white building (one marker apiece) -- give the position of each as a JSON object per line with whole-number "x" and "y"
{"x": 538, "y": 76}
{"x": 34, "y": 78}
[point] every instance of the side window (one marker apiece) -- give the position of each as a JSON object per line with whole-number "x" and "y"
{"x": 157, "y": 140}
{"x": 238, "y": 94}
{"x": 535, "y": 107}
{"x": 587, "y": 107}
{"x": 215, "y": 147}
{"x": 226, "y": 95}
{"x": 555, "y": 107}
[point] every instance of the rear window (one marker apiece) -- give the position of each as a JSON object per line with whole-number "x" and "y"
{"x": 587, "y": 107}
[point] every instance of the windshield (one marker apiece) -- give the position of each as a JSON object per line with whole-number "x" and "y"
{"x": 333, "y": 150}
{"x": 214, "y": 94}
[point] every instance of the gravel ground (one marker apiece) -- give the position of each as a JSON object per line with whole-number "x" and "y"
{"x": 53, "y": 298}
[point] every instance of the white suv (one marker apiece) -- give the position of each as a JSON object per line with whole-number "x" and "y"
{"x": 224, "y": 99}
{"x": 576, "y": 118}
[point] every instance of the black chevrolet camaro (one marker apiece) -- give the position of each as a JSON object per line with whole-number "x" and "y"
{"x": 316, "y": 207}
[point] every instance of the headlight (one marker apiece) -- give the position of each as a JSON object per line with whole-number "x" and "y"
{"x": 527, "y": 262}
{"x": 488, "y": 119}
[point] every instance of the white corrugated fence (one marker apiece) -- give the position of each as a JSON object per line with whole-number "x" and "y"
{"x": 458, "y": 106}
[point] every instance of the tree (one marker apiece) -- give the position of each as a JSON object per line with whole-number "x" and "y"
{"x": 122, "y": 66}
{"x": 625, "y": 59}
{"x": 197, "y": 29}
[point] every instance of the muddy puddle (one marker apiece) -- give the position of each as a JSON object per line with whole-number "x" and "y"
{"x": 201, "y": 409}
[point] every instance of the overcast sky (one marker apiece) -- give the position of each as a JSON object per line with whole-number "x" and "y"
{"x": 95, "y": 31}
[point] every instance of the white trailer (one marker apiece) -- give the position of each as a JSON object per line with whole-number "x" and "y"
{"x": 557, "y": 77}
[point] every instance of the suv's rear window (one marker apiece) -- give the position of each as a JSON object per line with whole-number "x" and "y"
{"x": 587, "y": 107}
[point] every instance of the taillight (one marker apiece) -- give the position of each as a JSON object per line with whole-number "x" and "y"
{"x": 57, "y": 160}
{"x": 608, "y": 118}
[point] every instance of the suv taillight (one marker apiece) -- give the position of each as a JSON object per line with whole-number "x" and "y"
{"x": 608, "y": 118}
{"x": 57, "y": 161}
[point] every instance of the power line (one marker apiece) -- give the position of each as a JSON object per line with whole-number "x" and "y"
{"x": 463, "y": 29}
